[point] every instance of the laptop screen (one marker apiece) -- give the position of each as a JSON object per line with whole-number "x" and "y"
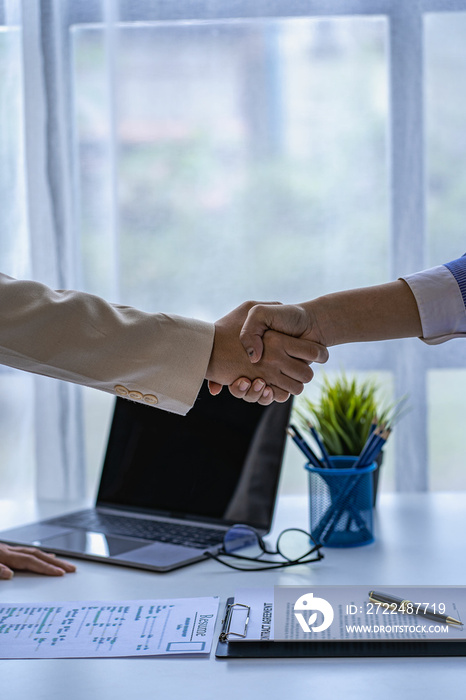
{"x": 220, "y": 463}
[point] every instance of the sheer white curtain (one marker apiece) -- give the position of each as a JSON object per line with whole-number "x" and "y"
{"x": 186, "y": 156}
{"x": 44, "y": 452}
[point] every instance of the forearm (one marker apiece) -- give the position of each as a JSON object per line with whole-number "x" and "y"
{"x": 77, "y": 337}
{"x": 370, "y": 313}
{"x": 430, "y": 305}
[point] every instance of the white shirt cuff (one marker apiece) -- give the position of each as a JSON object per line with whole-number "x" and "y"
{"x": 440, "y": 304}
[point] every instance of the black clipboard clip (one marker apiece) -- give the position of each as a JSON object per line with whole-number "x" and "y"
{"x": 226, "y": 632}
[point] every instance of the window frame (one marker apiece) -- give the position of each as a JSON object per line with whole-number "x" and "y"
{"x": 406, "y": 148}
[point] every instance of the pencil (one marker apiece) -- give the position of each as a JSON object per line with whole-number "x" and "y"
{"x": 298, "y": 439}
{"x": 319, "y": 441}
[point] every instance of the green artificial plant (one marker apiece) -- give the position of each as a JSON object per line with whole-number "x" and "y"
{"x": 345, "y": 412}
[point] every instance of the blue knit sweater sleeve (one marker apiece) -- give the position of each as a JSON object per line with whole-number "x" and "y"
{"x": 458, "y": 270}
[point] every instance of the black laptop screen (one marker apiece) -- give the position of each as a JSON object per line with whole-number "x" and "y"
{"x": 220, "y": 462}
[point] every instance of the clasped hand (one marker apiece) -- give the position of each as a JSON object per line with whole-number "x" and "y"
{"x": 274, "y": 366}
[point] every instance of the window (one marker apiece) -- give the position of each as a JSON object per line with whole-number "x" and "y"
{"x": 203, "y": 153}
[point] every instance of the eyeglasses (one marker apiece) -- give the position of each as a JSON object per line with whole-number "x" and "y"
{"x": 296, "y": 546}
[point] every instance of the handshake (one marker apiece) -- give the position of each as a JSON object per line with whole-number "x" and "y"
{"x": 263, "y": 352}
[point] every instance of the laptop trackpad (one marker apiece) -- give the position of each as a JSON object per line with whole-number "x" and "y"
{"x": 162, "y": 554}
{"x": 97, "y": 544}
{"x": 93, "y": 543}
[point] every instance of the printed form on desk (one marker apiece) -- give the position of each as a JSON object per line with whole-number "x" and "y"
{"x": 320, "y": 613}
{"x": 86, "y": 629}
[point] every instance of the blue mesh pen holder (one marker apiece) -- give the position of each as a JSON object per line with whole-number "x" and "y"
{"x": 340, "y": 503}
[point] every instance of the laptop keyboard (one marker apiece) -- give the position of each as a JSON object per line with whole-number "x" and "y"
{"x": 154, "y": 530}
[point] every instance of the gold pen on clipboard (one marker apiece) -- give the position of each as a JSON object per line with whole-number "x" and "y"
{"x": 410, "y": 608}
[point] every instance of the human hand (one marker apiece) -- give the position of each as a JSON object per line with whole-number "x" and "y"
{"x": 284, "y": 366}
{"x": 31, "y": 559}
{"x": 295, "y": 320}
{"x": 257, "y": 391}
{"x": 292, "y": 319}
{"x": 252, "y": 391}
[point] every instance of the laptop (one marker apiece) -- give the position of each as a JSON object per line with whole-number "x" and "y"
{"x": 172, "y": 485}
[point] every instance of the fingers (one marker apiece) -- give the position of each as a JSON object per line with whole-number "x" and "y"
{"x": 289, "y": 319}
{"x": 214, "y": 388}
{"x": 49, "y": 558}
{"x": 285, "y": 356}
{"x": 281, "y": 363}
{"x": 256, "y": 324}
{"x": 280, "y": 395}
{"x": 288, "y": 386}
{"x": 255, "y": 391}
{"x": 240, "y": 388}
{"x": 288, "y": 358}
{"x": 306, "y": 350}
{"x": 32, "y": 559}
{"x": 5, "y": 572}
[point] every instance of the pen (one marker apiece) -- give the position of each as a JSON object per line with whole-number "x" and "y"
{"x": 388, "y": 601}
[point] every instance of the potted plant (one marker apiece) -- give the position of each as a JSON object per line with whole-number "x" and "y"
{"x": 345, "y": 415}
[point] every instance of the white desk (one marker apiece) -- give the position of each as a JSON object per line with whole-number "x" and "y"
{"x": 420, "y": 541}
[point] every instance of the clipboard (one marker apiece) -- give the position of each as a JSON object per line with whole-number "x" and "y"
{"x": 227, "y": 648}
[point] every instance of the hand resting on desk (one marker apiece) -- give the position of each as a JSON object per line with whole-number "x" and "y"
{"x": 31, "y": 559}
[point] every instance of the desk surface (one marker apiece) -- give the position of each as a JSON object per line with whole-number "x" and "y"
{"x": 419, "y": 541}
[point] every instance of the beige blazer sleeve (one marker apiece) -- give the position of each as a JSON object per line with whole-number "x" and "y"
{"x": 154, "y": 358}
